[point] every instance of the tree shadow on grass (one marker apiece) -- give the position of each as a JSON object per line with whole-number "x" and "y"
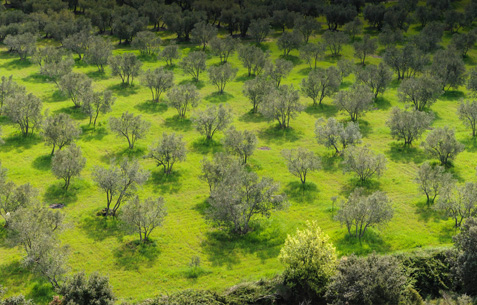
{"x": 470, "y": 143}
{"x": 225, "y": 248}
{"x": 446, "y": 233}
{"x": 251, "y": 117}
{"x": 36, "y": 78}
{"x": 452, "y": 95}
{"x": 178, "y": 123}
{"x": 295, "y": 60}
{"x": 426, "y": 213}
{"x": 124, "y": 89}
{"x": 370, "y": 242}
{"x": 19, "y": 142}
{"x": 56, "y": 194}
{"x": 90, "y": 134}
{"x": 327, "y": 110}
{"x": 74, "y": 112}
{"x": 382, "y": 103}
{"x": 218, "y": 97}
{"x": 365, "y": 127}
{"x": 42, "y": 162}
{"x": 164, "y": 183}
{"x": 198, "y": 84}
{"x": 278, "y": 135}
{"x": 99, "y": 228}
{"x": 244, "y": 77}
{"x": 305, "y": 71}
{"x": 331, "y": 162}
{"x": 97, "y": 75}
{"x": 147, "y": 57}
{"x": 303, "y": 193}
{"x": 204, "y": 146}
{"x": 57, "y": 96}
{"x": 345, "y": 85}
{"x": 136, "y": 152}
{"x": 370, "y": 185}
{"x": 405, "y": 154}
{"x": 17, "y": 64}
{"x": 41, "y": 292}
{"x": 152, "y": 107}
{"x": 132, "y": 255}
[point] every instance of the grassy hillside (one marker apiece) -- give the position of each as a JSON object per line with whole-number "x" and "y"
{"x": 97, "y": 244}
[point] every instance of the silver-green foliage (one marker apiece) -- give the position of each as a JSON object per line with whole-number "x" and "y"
{"x": 67, "y": 163}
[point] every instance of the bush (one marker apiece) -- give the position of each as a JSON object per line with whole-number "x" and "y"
{"x": 188, "y": 297}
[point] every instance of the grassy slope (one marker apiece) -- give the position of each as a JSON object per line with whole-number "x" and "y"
{"x": 99, "y": 245}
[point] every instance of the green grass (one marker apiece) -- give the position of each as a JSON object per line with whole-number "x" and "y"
{"x": 137, "y": 273}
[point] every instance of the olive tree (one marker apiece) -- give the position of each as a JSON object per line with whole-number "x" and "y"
{"x": 182, "y": 97}
{"x": 202, "y": 33}
{"x": 169, "y": 53}
{"x": 279, "y": 70}
{"x": 83, "y": 291}
{"x": 129, "y": 126}
{"x": 239, "y": 197}
{"x": 432, "y": 180}
{"x": 259, "y": 29}
{"x": 143, "y": 216}
{"x": 158, "y": 81}
{"x": 240, "y": 143}
{"x": 223, "y": 47}
{"x": 442, "y": 144}
{"x": 74, "y": 85}
{"x": 194, "y": 64}
{"x": 119, "y": 183}
{"x": 212, "y": 119}
{"x": 301, "y": 161}
{"x": 422, "y": 92}
{"x": 407, "y": 61}
{"x": 310, "y": 260}
{"x": 282, "y": 104}
{"x": 362, "y": 211}
{"x": 467, "y": 112}
{"x": 222, "y": 165}
{"x": 94, "y": 103}
{"x": 257, "y": 89}
{"x": 321, "y": 83}
{"x": 376, "y": 77}
{"x": 364, "y": 162}
{"x": 464, "y": 42}
{"x": 24, "y": 109}
{"x": 221, "y": 75}
{"x": 312, "y": 53}
{"x": 458, "y": 202}
{"x": 334, "y": 134}
{"x": 7, "y": 88}
{"x": 55, "y": 67}
{"x": 355, "y": 101}
{"x": 22, "y": 44}
{"x": 373, "y": 279}
{"x": 14, "y": 197}
{"x": 408, "y": 125}
{"x": 466, "y": 243}
{"x": 306, "y": 26}
{"x": 365, "y": 47}
{"x": 68, "y": 163}
{"x": 77, "y": 42}
{"x": 289, "y": 41}
{"x": 59, "y": 130}
{"x": 334, "y": 41}
{"x": 146, "y": 42}
{"x": 253, "y": 59}
{"x": 353, "y": 28}
{"x": 127, "y": 66}
{"x": 448, "y": 68}
{"x": 98, "y": 52}
{"x": 167, "y": 151}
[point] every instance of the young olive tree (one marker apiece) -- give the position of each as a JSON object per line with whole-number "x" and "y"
{"x": 68, "y": 163}
{"x": 365, "y": 47}
{"x": 221, "y": 75}
{"x": 119, "y": 183}
{"x": 127, "y": 66}
{"x": 194, "y": 64}
{"x": 289, "y": 41}
{"x": 98, "y": 52}
{"x": 355, "y": 101}
{"x": 364, "y": 162}
{"x": 257, "y": 90}
{"x": 24, "y": 109}
{"x": 22, "y": 44}
{"x": 259, "y": 29}
{"x": 312, "y": 53}
{"x": 375, "y": 77}
{"x": 362, "y": 211}
{"x": 169, "y": 53}
{"x": 442, "y": 144}
{"x": 240, "y": 143}
{"x": 94, "y": 103}
{"x": 74, "y": 85}
{"x": 432, "y": 180}
{"x": 422, "y": 92}
{"x": 301, "y": 161}
{"x": 306, "y": 26}
{"x": 143, "y": 216}
{"x": 168, "y": 150}
{"x": 408, "y": 125}
{"x": 276, "y": 72}
{"x": 310, "y": 260}
{"x": 222, "y": 165}
{"x": 7, "y": 88}
{"x": 55, "y": 67}
{"x": 158, "y": 81}
{"x": 407, "y": 61}
{"x": 13, "y": 197}
{"x": 223, "y": 47}
{"x": 146, "y": 42}
{"x": 448, "y": 68}
{"x": 129, "y": 126}
{"x": 335, "y": 134}
{"x": 253, "y": 59}
{"x": 458, "y": 202}
{"x": 212, "y": 119}
{"x": 334, "y": 41}
{"x": 467, "y": 112}
{"x": 202, "y": 33}
{"x": 59, "y": 130}
{"x": 282, "y": 104}
{"x": 182, "y": 97}
{"x": 321, "y": 83}
{"x": 77, "y": 43}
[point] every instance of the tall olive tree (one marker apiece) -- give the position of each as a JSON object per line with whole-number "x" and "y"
{"x": 59, "y": 130}
{"x": 355, "y": 101}
{"x": 336, "y": 135}
{"x": 321, "y": 83}
{"x": 467, "y": 112}
{"x": 129, "y": 126}
{"x": 433, "y": 180}
{"x": 375, "y": 77}
{"x": 74, "y": 85}
{"x": 94, "y": 103}
{"x": 127, "y": 66}
{"x": 167, "y": 151}
{"x": 194, "y": 64}
{"x": 442, "y": 144}
{"x": 282, "y": 104}
{"x": 301, "y": 161}
{"x": 257, "y": 89}
{"x": 221, "y": 75}
{"x": 68, "y": 163}
{"x": 408, "y": 125}
{"x": 212, "y": 119}
{"x": 240, "y": 143}
{"x": 183, "y": 97}
{"x": 364, "y": 162}
{"x": 422, "y": 92}
{"x": 24, "y": 109}
{"x": 158, "y": 81}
